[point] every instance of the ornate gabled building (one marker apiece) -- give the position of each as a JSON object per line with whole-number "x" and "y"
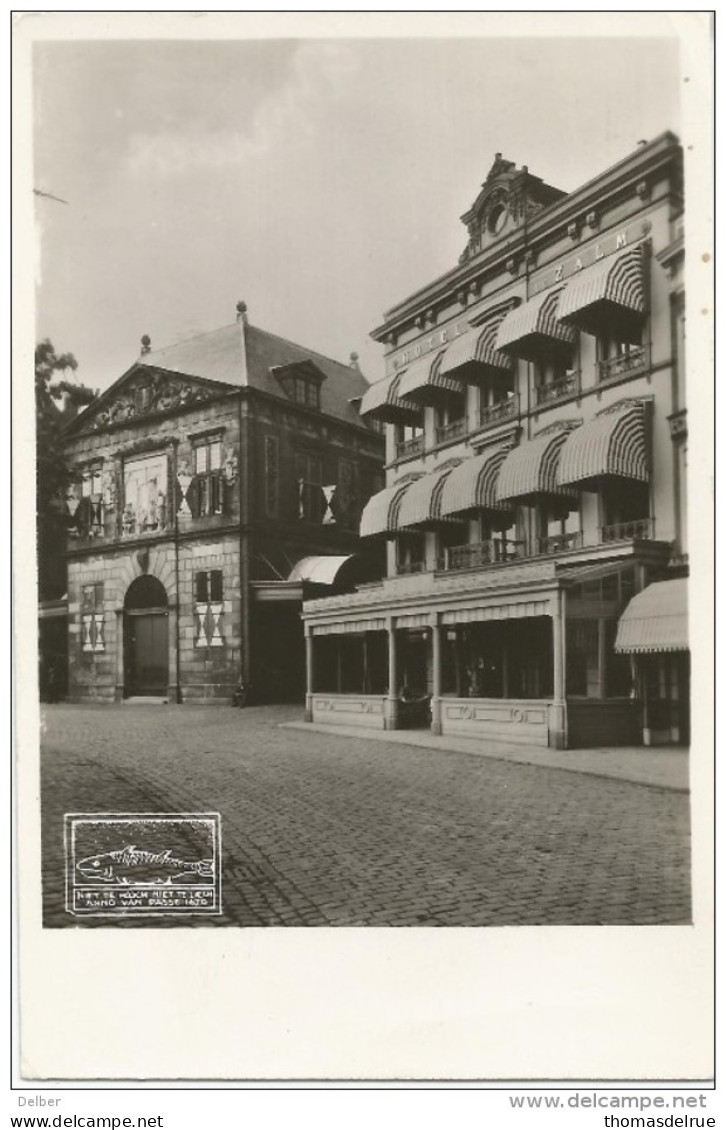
{"x": 215, "y": 482}
{"x": 534, "y": 513}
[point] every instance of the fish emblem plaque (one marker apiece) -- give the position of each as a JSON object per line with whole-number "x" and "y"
{"x": 120, "y": 864}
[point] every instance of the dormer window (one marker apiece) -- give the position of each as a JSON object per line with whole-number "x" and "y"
{"x": 497, "y": 219}
{"x": 301, "y": 381}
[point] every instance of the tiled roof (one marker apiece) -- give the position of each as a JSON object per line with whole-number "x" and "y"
{"x": 218, "y": 356}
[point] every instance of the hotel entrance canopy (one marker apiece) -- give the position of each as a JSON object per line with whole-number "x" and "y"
{"x": 534, "y": 328}
{"x": 611, "y": 445}
{"x": 655, "y": 620}
{"x": 609, "y": 294}
{"x": 531, "y": 469}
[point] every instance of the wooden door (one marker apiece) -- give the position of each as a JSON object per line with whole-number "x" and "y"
{"x": 147, "y": 653}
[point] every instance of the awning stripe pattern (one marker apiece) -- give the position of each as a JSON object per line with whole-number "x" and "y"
{"x": 617, "y": 279}
{"x": 426, "y": 373}
{"x": 531, "y": 468}
{"x": 473, "y": 484}
{"x": 380, "y": 512}
{"x": 539, "y": 317}
{"x": 613, "y": 443}
{"x": 476, "y": 345}
{"x": 349, "y": 627}
{"x": 384, "y": 394}
{"x": 422, "y": 502}
{"x": 656, "y": 619}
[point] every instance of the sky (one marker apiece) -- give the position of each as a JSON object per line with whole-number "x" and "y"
{"x": 319, "y": 180}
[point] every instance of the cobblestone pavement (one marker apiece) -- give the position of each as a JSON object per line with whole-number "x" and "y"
{"x": 323, "y": 831}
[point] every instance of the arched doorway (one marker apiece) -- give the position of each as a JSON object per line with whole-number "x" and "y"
{"x": 146, "y": 638}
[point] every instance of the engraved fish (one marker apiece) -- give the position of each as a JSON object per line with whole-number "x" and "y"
{"x": 132, "y": 866}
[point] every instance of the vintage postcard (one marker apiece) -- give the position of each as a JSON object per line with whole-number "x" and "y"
{"x": 373, "y": 413}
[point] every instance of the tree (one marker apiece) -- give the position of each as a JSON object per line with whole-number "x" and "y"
{"x": 51, "y": 387}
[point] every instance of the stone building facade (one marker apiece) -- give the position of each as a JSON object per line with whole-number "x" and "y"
{"x": 535, "y": 413}
{"x": 202, "y": 479}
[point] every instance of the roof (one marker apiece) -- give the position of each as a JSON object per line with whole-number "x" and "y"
{"x": 656, "y": 619}
{"x": 242, "y": 355}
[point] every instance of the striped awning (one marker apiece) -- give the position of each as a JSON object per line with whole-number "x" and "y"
{"x": 382, "y": 401}
{"x": 380, "y": 513}
{"x": 531, "y": 469}
{"x": 349, "y": 627}
{"x": 534, "y": 326}
{"x": 611, "y": 444}
{"x": 319, "y": 570}
{"x": 473, "y": 484}
{"x": 421, "y": 504}
{"x": 423, "y": 380}
{"x": 611, "y": 287}
{"x": 474, "y": 349}
{"x": 656, "y": 619}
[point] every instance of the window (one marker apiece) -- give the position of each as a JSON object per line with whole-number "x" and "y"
{"x": 616, "y": 356}
{"x": 209, "y": 608}
{"x": 496, "y": 399}
{"x": 500, "y": 530}
{"x": 451, "y": 416}
{"x": 347, "y": 494}
{"x": 92, "y": 620}
{"x": 625, "y": 509}
{"x": 145, "y": 494}
{"x": 208, "y": 477}
{"x": 409, "y": 440}
{"x": 272, "y": 476}
{"x": 312, "y": 504}
{"x": 306, "y": 392}
{"x": 556, "y": 376}
{"x": 90, "y": 512}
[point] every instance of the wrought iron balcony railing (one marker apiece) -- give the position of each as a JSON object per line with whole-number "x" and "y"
{"x": 635, "y": 360}
{"x": 494, "y": 414}
{"x": 556, "y": 543}
{"x": 453, "y": 430}
{"x": 409, "y": 447}
{"x": 624, "y": 531}
{"x": 565, "y": 386}
{"x": 477, "y": 554}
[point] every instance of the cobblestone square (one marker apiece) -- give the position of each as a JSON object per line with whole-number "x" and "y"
{"x": 319, "y": 830}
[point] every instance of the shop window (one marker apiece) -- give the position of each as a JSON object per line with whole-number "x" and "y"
{"x": 583, "y": 672}
{"x": 618, "y": 671}
{"x": 312, "y": 504}
{"x": 92, "y": 618}
{"x": 209, "y": 609}
{"x": 145, "y": 495}
{"x": 208, "y": 487}
{"x": 351, "y": 664}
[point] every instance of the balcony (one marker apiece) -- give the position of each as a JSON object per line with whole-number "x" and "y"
{"x": 635, "y": 361}
{"x": 558, "y": 543}
{"x": 410, "y": 447}
{"x": 642, "y": 528}
{"x": 454, "y": 430}
{"x": 559, "y": 389}
{"x": 478, "y": 554}
{"x": 494, "y": 414}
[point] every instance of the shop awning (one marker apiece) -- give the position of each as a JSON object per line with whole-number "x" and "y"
{"x": 421, "y": 504}
{"x": 423, "y": 380}
{"x": 531, "y": 469}
{"x": 318, "y": 570}
{"x": 607, "y": 292}
{"x": 612, "y": 444}
{"x": 381, "y": 511}
{"x": 475, "y": 349}
{"x": 382, "y": 401}
{"x": 656, "y": 619}
{"x": 534, "y": 327}
{"x": 473, "y": 484}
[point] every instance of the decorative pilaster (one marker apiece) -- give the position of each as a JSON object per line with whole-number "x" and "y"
{"x": 390, "y": 721}
{"x": 309, "y": 674}
{"x": 436, "y": 630}
{"x": 558, "y": 727}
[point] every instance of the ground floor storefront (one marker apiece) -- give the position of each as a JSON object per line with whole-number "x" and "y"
{"x": 523, "y": 654}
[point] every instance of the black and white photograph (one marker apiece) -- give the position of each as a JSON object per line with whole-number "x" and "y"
{"x": 368, "y": 549}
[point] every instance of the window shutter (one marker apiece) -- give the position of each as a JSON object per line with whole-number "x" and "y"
{"x": 216, "y": 585}
{"x": 202, "y": 588}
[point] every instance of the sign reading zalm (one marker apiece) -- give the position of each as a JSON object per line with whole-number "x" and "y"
{"x": 534, "y": 514}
